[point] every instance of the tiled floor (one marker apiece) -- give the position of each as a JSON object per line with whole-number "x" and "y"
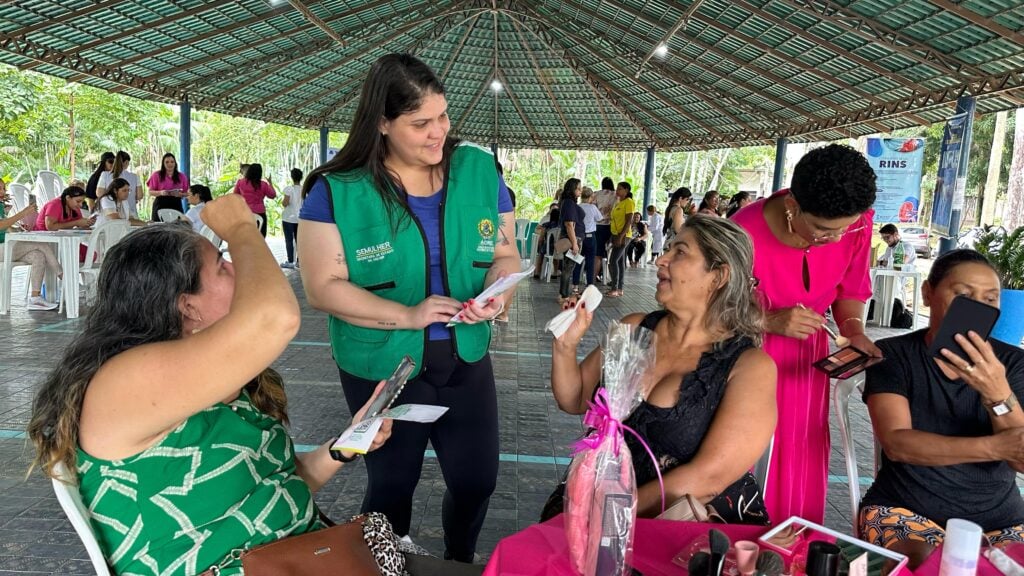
{"x": 35, "y": 538}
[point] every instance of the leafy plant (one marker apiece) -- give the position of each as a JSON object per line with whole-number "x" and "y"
{"x": 1006, "y": 252}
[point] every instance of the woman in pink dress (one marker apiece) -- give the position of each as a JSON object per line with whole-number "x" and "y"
{"x": 812, "y": 244}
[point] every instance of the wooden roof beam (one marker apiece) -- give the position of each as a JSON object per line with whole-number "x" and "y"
{"x": 594, "y": 81}
{"x": 204, "y": 7}
{"x": 799, "y": 90}
{"x": 981, "y": 21}
{"x": 875, "y": 32}
{"x": 370, "y": 47}
{"x": 786, "y": 58}
{"x": 347, "y": 98}
{"x": 519, "y": 110}
{"x": 316, "y": 21}
{"x": 543, "y": 81}
{"x": 824, "y": 42}
{"x": 746, "y": 86}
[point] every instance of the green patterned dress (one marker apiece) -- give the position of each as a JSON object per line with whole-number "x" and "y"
{"x": 222, "y": 480}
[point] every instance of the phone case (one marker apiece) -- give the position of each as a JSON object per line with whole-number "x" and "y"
{"x": 392, "y": 388}
{"x": 964, "y": 314}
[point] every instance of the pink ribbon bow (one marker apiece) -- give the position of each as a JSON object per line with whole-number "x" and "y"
{"x": 599, "y": 417}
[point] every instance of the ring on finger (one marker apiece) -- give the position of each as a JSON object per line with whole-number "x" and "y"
{"x": 969, "y": 368}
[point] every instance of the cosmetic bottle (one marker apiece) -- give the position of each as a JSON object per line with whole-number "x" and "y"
{"x": 960, "y": 549}
{"x": 823, "y": 559}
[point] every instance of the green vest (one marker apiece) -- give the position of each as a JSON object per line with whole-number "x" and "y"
{"x": 395, "y": 265}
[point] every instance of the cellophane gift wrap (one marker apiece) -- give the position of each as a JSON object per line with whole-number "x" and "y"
{"x": 600, "y": 499}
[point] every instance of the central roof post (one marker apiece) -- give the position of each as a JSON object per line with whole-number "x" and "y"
{"x": 648, "y": 180}
{"x": 185, "y": 140}
{"x": 323, "y": 144}
{"x": 780, "y": 165}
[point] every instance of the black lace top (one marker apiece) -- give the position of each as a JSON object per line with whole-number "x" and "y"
{"x": 675, "y": 434}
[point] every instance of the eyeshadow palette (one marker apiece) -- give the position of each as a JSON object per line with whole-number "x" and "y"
{"x": 846, "y": 362}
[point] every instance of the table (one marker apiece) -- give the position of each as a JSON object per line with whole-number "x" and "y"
{"x": 541, "y": 549}
{"x": 885, "y": 296}
{"x": 68, "y": 244}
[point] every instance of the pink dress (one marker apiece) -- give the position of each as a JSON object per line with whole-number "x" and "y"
{"x": 798, "y": 477}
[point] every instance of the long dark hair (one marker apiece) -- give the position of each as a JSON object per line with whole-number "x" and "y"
{"x": 69, "y": 192}
{"x": 115, "y": 185}
{"x": 120, "y": 160}
{"x": 141, "y": 280}
{"x": 396, "y": 84}
{"x": 569, "y": 190}
{"x": 254, "y": 175}
{"x": 679, "y": 194}
{"x": 163, "y": 170}
{"x": 101, "y": 166}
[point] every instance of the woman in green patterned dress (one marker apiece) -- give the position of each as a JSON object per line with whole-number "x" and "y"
{"x": 164, "y": 406}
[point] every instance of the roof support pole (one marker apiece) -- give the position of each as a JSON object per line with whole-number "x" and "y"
{"x": 964, "y": 105}
{"x": 323, "y": 144}
{"x": 780, "y": 164}
{"x": 185, "y": 141}
{"x": 648, "y": 180}
{"x": 494, "y": 150}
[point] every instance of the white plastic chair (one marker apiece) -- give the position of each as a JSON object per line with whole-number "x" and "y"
{"x": 841, "y": 393}
{"x": 259, "y": 220}
{"x": 210, "y": 235}
{"x": 171, "y": 215}
{"x": 19, "y": 196}
{"x": 522, "y": 225}
{"x": 103, "y": 237}
{"x": 48, "y": 186}
{"x": 763, "y": 466}
{"x": 77, "y": 512}
{"x": 547, "y": 268}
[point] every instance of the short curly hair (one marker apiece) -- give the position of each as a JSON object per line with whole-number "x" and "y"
{"x": 833, "y": 182}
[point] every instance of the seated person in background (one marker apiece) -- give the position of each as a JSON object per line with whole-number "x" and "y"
{"x": 710, "y": 412}
{"x": 951, "y": 431}
{"x": 549, "y": 222}
{"x": 179, "y": 461}
{"x": 65, "y": 211}
{"x": 198, "y": 196}
{"x": 638, "y": 245}
{"x": 114, "y": 204}
{"x": 39, "y": 255}
{"x": 891, "y": 236}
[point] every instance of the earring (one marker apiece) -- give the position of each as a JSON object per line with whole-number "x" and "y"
{"x": 789, "y": 220}
{"x": 198, "y": 329}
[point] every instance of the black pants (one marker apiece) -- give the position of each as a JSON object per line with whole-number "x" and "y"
{"x": 636, "y": 250}
{"x": 465, "y": 439}
{"x": 161, "y": 202}
{"x": 291, "y": 234}
{"x": 263, "y": 225}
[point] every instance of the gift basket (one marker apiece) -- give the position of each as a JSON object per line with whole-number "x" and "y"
{"x": 600, "y": 496}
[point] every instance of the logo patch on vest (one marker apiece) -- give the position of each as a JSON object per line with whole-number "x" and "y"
{"x": 374, "y": 253}
{"x": 486, "y": 228}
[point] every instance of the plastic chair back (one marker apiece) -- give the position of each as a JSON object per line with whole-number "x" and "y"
{"x": 48, "y": 186}
{"x": 522, "y": 224}
{"x": 259, "y": 220}
{"x": 841, "y": 394}
{"x": 19, "y": 196}
{"x": 171, "y": 215}
{"x": 102, "y": 238}
{"x": 763, "y": 466}
{"x": 71, "y": 502}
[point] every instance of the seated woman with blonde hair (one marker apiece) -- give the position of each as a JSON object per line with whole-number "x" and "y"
{"x": 710, "y": 412}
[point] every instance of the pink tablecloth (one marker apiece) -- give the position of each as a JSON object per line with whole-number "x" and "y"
{"x": 541, "y": 550}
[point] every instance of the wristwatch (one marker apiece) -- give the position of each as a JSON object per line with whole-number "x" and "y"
{"x": 1003, "y": 407}
{"x": 339, "y": 457}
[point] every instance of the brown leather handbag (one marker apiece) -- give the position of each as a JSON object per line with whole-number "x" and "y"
{"x": 340, "y": 550}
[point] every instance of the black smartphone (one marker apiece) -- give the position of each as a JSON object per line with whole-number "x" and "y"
{"x": 392, "y": 388}
{"x": 964, "y": 314}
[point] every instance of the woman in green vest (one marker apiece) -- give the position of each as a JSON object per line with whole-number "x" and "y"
{"x": 163, "y": 413}
{"x": 405, "y": 227}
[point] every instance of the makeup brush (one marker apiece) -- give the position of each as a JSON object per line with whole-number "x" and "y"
{"x": 698, "y": 565}
{"x": 841, "y": 341}
{"x": 769, "y": 563}
{"x": 719, "y": 548}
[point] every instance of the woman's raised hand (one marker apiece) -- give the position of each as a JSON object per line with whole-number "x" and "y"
{"x": 432, "y": 309}
{"x": 228, "y": 214}
{"x": 572, "y": 336}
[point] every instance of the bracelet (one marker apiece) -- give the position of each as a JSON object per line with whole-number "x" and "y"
{"x": 843, "y": 323}
{"x": 337, "y": 456}
{"x": 498, "y": 313}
